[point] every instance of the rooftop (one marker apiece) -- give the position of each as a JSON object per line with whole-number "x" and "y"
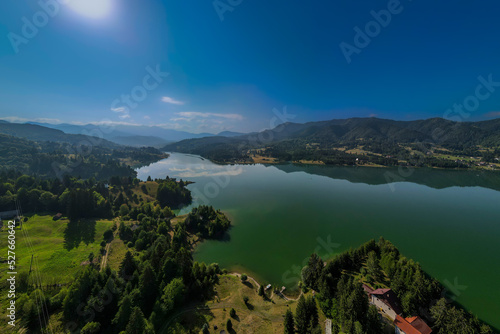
{"x": 413, "y": 325}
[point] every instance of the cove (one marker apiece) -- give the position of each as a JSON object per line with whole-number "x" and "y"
{"x": 448, "y": 221}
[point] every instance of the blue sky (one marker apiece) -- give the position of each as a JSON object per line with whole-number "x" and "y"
{"x": 236, "y": 64}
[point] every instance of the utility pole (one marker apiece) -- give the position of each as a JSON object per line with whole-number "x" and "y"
{"x": 31, "y": 264}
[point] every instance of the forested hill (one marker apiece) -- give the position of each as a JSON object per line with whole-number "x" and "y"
{"x": 52, "y": 159}
{"x": 382, "y": 137}
{"x": 41, "y": 133}
{"x": 434, "y": 130}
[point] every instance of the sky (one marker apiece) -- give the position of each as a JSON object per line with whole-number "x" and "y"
{"x": 241, "y": 65}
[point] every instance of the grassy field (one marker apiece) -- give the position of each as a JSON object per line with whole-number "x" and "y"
{"x": 116, "y": 253}
{"x": 259, "y": 316}
{"x": 59, "y": 247}
{"x": 59, "y": 250}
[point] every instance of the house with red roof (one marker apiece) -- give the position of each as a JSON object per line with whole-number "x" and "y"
{"x": 412, "y": 325}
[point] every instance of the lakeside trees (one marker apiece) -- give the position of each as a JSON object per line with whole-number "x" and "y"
{"x": 172, "y": 193}
{"x": 343, "y": 300}
{"x": 208, "y": 222}
{"x": 306, "y": 316}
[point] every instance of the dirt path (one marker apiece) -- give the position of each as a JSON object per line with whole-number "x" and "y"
{"x": 280, "y": 294}
{"x": 104, "y": 260}
{"x": 249, "y": 278}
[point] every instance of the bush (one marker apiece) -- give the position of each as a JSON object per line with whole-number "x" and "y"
{"x": 90, "y": 328}
{"x": 245, "y": 299}
{"x": 108, "y": 234}
{"x": 229, "y": 325}
{"x": 261, "y": 291}
{"x": 232, "y": 313}
{"x": 244, "y": 277}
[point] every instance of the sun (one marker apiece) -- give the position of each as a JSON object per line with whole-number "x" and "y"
{"x": 91, "y": 8}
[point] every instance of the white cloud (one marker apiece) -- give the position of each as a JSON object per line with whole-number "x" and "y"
{"x": 15, "y": 119}
{"x": 125, "y": 112}
{"x": 147, "y": 117}
{"x": 195, "y": 121}
{"x": 191, "y": 115}
{"x": 170, "y": 100}
{"x": 106, "y": 123}
{"x": 120, "y": 110}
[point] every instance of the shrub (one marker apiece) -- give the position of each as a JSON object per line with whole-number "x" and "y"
{"x": 261, "y": 291}
{"x": 108, "y": 234}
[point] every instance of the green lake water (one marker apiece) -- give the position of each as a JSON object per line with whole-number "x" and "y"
{"x": 448, "y": 221}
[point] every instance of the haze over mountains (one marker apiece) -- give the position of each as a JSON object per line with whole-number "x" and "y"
{"x": 40, "y": 133}
{"x": 128, "y": 135}
{"x": 437, "y": 131}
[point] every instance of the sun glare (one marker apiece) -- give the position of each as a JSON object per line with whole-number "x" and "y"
{"x": 91, "y": 8}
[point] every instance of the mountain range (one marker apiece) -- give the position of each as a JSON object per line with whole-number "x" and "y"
{"x": 41, "y": 133}
{"x": 435, "y": 130}
{"x": 436, "y": 142}
{"x": 127, "y": 135}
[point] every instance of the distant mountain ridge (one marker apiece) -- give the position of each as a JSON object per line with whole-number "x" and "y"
{"x": 40, "y": 133}
{"x": 355, "y": 141}
{"x": 433, "y": 130}
{"x": 132, "y": 135}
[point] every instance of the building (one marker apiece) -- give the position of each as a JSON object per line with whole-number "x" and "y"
{"x": 412, "y": 325}
{"x": 9, "y": 214}
{"x": 328, "y": 326}
{"x": 386, "y": 301}
{"x": 368, "y": 290}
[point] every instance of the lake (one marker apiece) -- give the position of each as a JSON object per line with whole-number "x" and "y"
{"x": 448, "y": 221}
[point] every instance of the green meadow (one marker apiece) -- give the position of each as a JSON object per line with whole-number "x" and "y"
{"x": 59, "y": 248}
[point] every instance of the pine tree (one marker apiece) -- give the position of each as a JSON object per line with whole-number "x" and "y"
{"x": 128, "y": 266}
{"x": 123, "y": 314}
{"x": 301, "y": 316}
{"x": 137, "y": 323}
{"x": 289, "y": 323}
{"x": 148, "y": 288}
{"x": 312, "y": 312}
{"x": 261, "y": 291}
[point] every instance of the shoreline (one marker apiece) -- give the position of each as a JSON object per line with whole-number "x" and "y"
{"x": 320, "y": 163}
